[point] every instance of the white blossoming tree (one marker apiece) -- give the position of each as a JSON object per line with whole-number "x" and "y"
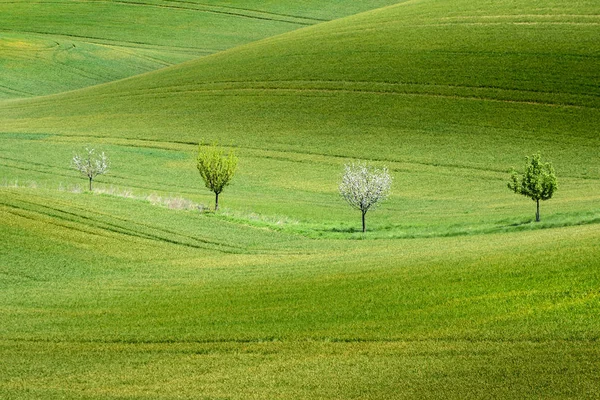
{"x": 90, "y": 164}
{"x": 364, "y": 187}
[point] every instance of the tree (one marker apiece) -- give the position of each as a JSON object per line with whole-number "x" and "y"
{"x": 538, "y": 182}
{"x": 90, "y": 164}
{"x": 363, "y": 187}
{"x": 216, "y": 168}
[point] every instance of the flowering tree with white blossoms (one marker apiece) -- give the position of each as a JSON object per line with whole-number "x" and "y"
{"x": 90, "y": 164}
{"x": 363, "y": 187}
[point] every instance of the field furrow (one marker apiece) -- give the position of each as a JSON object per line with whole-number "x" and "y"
{"x": 131, "y": 285}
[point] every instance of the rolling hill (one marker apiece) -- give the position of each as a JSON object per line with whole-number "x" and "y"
{"x": 411, "y": 74}
{"x": 54, "y": 46}
{"x": 131, "y": 292}
{"x": 451, "y": 87}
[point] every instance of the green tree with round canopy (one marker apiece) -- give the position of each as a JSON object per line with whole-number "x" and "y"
{"x": 538, "y": 181}
{"x": 216, "y": 168}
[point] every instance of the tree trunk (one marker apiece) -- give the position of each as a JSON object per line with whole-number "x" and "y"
{"x": 363, "y": 222}
{"x": 216, "y": 201}
{"x": 537, "y": 212}
{"x": 91, "y": 183}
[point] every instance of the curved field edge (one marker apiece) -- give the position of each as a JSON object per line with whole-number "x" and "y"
{"x": 103, "y": 273}
{"x": 55, "y": 46}
{"x": 372, "y": 86}
{"x": 294, "y": 192}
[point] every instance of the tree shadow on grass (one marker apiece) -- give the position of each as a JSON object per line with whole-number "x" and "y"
{"x": 518, "y": 224}
{"x": 342, "y": 230}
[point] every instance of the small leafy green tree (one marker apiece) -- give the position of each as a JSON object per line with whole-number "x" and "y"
{"x": 538, "y": 182}
{"x": 216, "y": 168}
{"x": 363, "y": 187}
{"x": 90, "y": 164}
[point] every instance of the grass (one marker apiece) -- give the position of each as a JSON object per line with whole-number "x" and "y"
{"x": 173, "y": 301}
{"x": 426, "y": 97}
{"x": 134, "y": 292}
{"x": 352, "y": 370}
{"x": 273, "y": 187}
{"x": 448, "y": 288}
{"x": 54, "y": 46}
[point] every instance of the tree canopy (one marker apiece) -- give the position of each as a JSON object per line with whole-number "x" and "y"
{"x": 216, "y": 168}
{"x": 538, "y": 181}
{"x": 90, "y": 164}
{"x": 364, "y": 187}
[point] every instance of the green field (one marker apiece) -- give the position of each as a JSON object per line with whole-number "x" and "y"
{"x": 139, "y": 291}
{"x": 53, "y": 46}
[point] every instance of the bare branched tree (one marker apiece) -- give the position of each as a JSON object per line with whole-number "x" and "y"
{"x": 90, "y": 164}
{"x": 363, "y": 187}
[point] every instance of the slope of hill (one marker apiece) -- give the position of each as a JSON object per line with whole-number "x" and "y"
{"x": 112, "y": 295}
{"x": 452, "y": 88}
{"x": 54, "y": 46}
{"x": 106, "y": 297}
{"x": 464, "y": 90}
{"x": 451, "y": 78}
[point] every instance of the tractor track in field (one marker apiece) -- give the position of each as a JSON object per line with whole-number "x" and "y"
{"x": 97, "y": 220}
{"x": 86, "y": 220}
{"x": 105, "y": 230}
{"x": 299, "y": 87}
{"x": 585, "y": 19}
{"x": 307, "y": 340}
{"x": 81, "y": 72}
{"x": 136, "y": 183}
{"x": 8, "y": 89}
{"x": 23, "y": 213}
{"x": 212, "y": 10}
{"x": 111, "y": 42}
{"x": 238, "y": 12}
{"x": 316, "y": 20}
{"x": 499, "y": 23}
{"x": 158, "y": 144}
{"x": 127, "y": 50}
{"x": 383, "y": 88}
{"x": 319, "y": 92}
{"x": 35, "y": 170}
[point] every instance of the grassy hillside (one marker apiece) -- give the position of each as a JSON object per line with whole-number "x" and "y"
{"x": 106, "y": 297}
{"x": 449, "y": 95}
{"x": 297, "y": 193}
{"x": 54, "y": 46}
{"x": 136, "y": 291}
{"x": 414, "y": 82}
{"x": 224, "y": 282}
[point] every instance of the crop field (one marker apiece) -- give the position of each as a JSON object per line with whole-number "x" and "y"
{"x": 139, "y": 290}
{"x": 54, "y": 46}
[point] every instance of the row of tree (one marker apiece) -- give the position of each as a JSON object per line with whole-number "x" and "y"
{"x": 363, "y": 186}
